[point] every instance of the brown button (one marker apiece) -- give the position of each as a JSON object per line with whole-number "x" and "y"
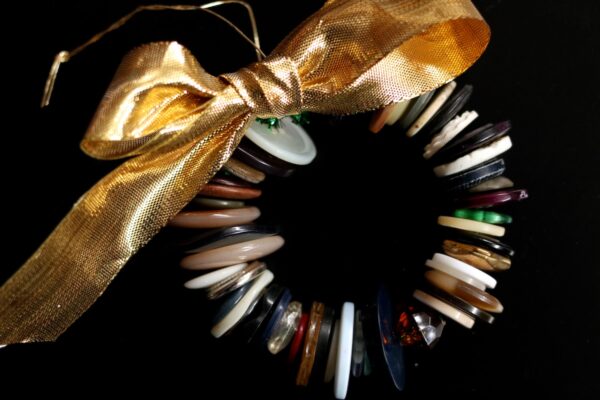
{"x": 472, "y": 295}
{"x": 379, "y": 117}
{"x": 310, "y": 344}
{"x": 215, "y": 218}
{"x": 221, "y": 179}
{"x": 233, "y": 253}
{"x": 244, "y": 171}
{"x": 230, "y": 192}
{"x": 476, "y": 256}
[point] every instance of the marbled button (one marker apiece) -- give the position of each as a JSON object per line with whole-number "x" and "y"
{"x": 432, "y": 108}
{"x": 276, "y": 315}
{"x": 449, "y": 132}
{"x": 444, "y": 308}
{"x": 479, "y": 240}
{"x": 325, "y": 335}
{"x": 473, "y": 176}
{"x": 310, "y": 344}
{"x": 288, "y": 142}
{"x": 416, "y": 109}
{"x": 240, "y": 309}
{"x": 471, "y": 225}
{"x": 209, "y": 279}
{"x": 215, "y": 218}
{"x": 445, "y": 154}
{"x": 230, "y": 192}
{"x": 474, "y": 158}
{"x": 235, "y": 281}
{"x": 472, "y": 140}
{"x": 500, "y": 182}
{"x": 229, "y": 301}
{"x": 244, "y": 171}
{"x": 226, "y": 236}
{"x": 286, "y": 328}
{"x": 490, "y": 199}
{"x": 449, "y": 110}
{"x": 255, "y": 321}
{"x": 233, "y": 254}
{"x": 476, "y": 256}
{"x": 217, "y": 204}
{"x": 464, "y": 291}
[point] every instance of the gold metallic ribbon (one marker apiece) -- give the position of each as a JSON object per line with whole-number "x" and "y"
{"x": 182, "y": 125}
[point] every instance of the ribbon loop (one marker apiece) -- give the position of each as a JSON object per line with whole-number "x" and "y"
{"x": 270, "y": 88}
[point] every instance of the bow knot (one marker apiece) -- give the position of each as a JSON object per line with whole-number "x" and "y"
{"x": 270, "y": 88}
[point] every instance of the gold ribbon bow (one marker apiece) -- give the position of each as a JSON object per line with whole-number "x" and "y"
{"x": 183, "y": 124}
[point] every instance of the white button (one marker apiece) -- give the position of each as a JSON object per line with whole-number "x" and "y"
{"x": 462, "y": 271}
{"x": 476, "y": 157}
{"x": 344, "y": 355}
{"x": 289, "y": 142}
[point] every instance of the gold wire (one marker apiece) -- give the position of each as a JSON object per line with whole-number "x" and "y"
{"x": 64, "y": 56}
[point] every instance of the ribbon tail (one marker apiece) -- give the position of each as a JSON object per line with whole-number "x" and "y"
{"x": 107, "y": 226}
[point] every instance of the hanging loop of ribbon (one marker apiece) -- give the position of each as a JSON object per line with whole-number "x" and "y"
{"x": 178, "y": 125}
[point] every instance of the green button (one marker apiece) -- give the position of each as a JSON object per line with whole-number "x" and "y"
{"x": 490, "y": 217}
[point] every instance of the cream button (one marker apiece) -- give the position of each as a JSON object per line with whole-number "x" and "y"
{"x": 471, "y": 225}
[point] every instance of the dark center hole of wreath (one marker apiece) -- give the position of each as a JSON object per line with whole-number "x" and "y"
{"x": 362, "y": 213}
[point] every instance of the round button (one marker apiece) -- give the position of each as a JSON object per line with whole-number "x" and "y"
{"x": 289, "y": 141}
{"x": 344, "y": 353}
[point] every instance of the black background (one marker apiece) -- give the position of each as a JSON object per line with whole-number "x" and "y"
{"x": 363, "y": 212}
